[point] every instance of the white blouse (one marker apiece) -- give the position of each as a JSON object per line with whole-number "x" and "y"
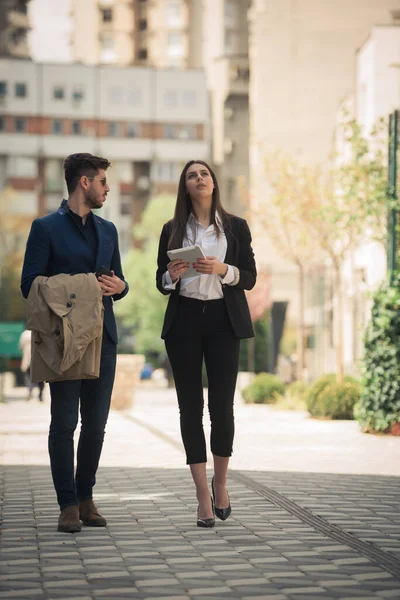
{"x": 204, "y": 287}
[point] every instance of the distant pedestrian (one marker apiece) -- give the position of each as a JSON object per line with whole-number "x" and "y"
{"x": 25, "y": 347}
{"x": 206, "y": 316}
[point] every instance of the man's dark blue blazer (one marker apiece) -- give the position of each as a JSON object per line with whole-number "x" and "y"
{"x": 56, "y": 245}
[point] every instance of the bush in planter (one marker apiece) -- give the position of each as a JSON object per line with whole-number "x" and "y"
{"x": 263, "y": 389}
{"x": 379, "y": 407}
{"x": 294, "y": 397}
{"x": 336, "y": 400}
{"x": 318, "y": 387}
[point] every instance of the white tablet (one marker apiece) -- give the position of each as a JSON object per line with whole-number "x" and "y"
{"x": 189, "y": 254}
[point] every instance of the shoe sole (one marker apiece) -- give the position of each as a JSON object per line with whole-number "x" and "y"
{"x": 91, "y": 524}
{"x": 69, "y": 529}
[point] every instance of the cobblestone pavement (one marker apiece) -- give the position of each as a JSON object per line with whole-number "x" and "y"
{"x": 324, "y": 525}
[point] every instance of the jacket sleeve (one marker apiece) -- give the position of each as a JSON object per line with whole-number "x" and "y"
{"x": 37, "y": 256}
{"x": 117, "y": 268}
{"x": 162, "y": 261}
{"x": 247, "y": 264}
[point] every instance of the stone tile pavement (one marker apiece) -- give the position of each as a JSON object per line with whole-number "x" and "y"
{"x": 321, "y": 529}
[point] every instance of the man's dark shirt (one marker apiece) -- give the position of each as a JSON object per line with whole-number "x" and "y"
{"x": 89, "y": 231}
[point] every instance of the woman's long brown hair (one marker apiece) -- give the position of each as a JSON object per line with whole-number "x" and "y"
{"x": 184, "y": 208}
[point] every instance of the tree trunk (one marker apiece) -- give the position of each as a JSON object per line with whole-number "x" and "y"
{"x": 301, "y": 358}
{"x": 339, "y": 323}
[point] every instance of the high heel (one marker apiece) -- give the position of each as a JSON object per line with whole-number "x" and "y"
{"x": 206, "y": 522}
{"x": 221, "y": 513}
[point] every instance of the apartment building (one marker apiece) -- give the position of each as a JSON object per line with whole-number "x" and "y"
{"x": 14, "y": 27}
{"x": 148, "y": 122}
{"x": 226, "y": 63}
{"x": 157, "y": 33}
{"x": 302, "y": 64}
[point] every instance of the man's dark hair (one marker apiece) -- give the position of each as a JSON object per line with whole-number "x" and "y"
{"x": 83, "y": 163}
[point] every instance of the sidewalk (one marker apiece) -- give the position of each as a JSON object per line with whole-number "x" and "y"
{"x": 315, "y": 512}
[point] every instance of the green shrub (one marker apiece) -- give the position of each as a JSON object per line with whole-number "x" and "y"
{"x": 379, "y": 405}
{"x": 337, "y": 400}
{"x": 298, "y": 389}
{"x": 263, "y": 389}
{"x": 294, "y": 397}
{"x": 314, "y": 391}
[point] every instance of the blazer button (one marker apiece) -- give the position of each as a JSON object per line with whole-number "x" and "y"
{"x": 69, "y": 304}
{"x": 72, "y": 296}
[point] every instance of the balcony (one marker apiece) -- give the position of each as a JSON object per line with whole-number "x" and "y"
{"x": 238, "y": 75}
{"x": 233, "y": 73}
{"x": 18, "y": 20}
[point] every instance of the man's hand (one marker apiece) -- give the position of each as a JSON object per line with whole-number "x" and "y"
{"x": 210, "y": 266}
{"x": 111, "y": 285}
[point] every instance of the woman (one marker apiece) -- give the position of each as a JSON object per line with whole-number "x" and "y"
{"x": 206, "y": 317}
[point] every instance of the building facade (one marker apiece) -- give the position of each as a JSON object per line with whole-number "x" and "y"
{"x": 302, "y": 63}
{"x": 14, "y": 27}
{"x": 157, "y": 33}
{"x": 148, "y": 122}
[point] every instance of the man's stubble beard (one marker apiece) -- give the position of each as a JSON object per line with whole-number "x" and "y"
{"x": 92, "y": 200}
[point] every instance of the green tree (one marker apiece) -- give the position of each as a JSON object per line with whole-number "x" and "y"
{"x": 327, "y": 211}
{"x": 144, "y": 307}
{"x": 14, "y": 228}
{"x": 286, "y": 223}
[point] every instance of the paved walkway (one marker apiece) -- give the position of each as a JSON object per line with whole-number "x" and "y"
{"x": 315, "y": 512}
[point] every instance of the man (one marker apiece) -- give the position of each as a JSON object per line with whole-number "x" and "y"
{"x": 74, "y": 240}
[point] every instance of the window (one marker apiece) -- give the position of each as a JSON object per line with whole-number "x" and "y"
{"x": 229, "y": 14}
{"x": 189, "y": 99}
{"x": 187, "y": 132}
{"x": 77, "y": 95}
{"x": 58, "y": 93}
{"x": 175, "y": 45}
{"x": 107, "y": 15}
{"x": 57, "y": 126}
{"x": 229, "y": 42}
{"x": 20, "y": 90}
{"x": 76, "y": 128}
{"x": 142, "y": 24}
{"x": 113, "y": 129}
{"x": 22, "y": 166}
{"x": 107, "y": 42}
{"x": 18, "y": 36}
{"x": 3, "y": 89}
{"x": 126, "y": 205}
{"x": 167, "y": 171}
{"x": 2, "y": 124}
{"x": 174, "y": 13}
{"x": 115, "y": 95}
{"x": 142, "y": 54}
{"x": 134, "y": 96}
{"x": 170, "y": 131}
{"x": 133, "y": 130}
{"x": 171, "y": 98}
{"x": 54, "y": 175}
{"x": 19, "y": 125}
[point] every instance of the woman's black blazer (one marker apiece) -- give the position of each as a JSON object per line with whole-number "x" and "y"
{"x": 240, "y": 254}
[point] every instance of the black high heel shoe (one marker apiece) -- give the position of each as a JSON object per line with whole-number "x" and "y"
{"x": 206, "y": 522}
{"x": 221, "y": 513}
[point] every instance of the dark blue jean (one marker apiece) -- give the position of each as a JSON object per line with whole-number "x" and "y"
{"x": 95, "y": 398}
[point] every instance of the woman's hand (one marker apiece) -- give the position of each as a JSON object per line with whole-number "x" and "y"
{"x": 210, "y": 266}
{"x": 111, "y": 285}
{"x": 176, "y": 268}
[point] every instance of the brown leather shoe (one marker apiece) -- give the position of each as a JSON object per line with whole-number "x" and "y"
{"x": 68, "y": 521}
{"x": 89, "y": 514}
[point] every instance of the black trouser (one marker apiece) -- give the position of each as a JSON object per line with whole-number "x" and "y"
{"x": 95, "y": 398}
{"x": 203, "y": 329}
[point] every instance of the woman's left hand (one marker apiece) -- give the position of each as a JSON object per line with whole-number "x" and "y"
{"x": 210, "y": 266}
{"x": 111, "y": 285}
